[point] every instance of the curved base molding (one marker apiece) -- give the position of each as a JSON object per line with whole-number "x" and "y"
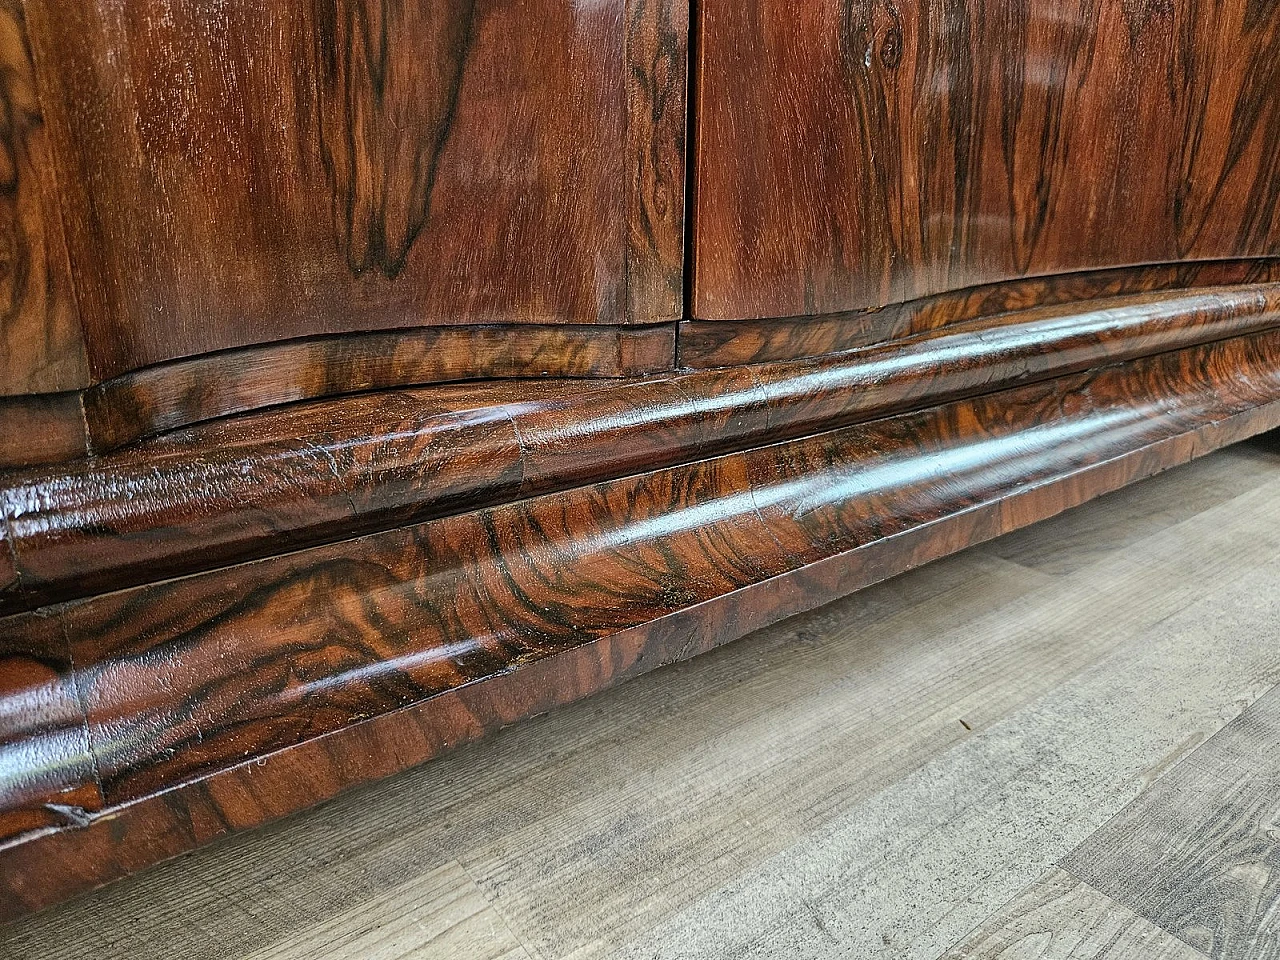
{"x": 169, "y": 396}
{"x": 311, "y": 474}
{"x": 137, "y": 724}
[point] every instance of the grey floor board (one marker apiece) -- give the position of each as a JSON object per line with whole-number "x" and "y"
{"x": 877, "y": 778}
{"x": 909, "y": 871}
{"x": 1199, "y": 853}
{"x": 441, "y": 913}
{"x": 1061, "y": 918}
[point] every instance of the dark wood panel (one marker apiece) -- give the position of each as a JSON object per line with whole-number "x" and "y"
{"x": 853, "y": 153}
{"x": 295, "y": 477}
{"x": 657, "y": 67}
{"x": 218, "y": 701}
{"x": 253, "y": 172}
{"x": 179, "y": 394}
{"x": 41, "y": 429}
{"x": 719, "y": 343}
{"x": 41, "y": 347}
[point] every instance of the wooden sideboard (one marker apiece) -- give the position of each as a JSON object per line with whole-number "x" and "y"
{"x": 364, "y": 386}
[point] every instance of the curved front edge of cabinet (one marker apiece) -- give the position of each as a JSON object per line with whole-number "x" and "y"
{"x": 49, "y": 429}
{"x": 45, "y": 429}
{"x": 170, "y": 396}
{"x": 141, "y": 723}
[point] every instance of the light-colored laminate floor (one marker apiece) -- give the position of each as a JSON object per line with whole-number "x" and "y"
{"x": 1064, "y": 743}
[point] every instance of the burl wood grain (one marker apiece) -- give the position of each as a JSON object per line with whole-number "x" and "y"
{"x": 291, "y": 478}
{"x": 246, "y": 172}
{"x": 41, "y": 347}
{"x": 854, "y": 153}
{"x": 657, "y": 39}
{"x": 218, "y": 701}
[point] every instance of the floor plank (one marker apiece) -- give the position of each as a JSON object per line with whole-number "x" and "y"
{"x": 873, "y": 779}
{"x": 1199, "y": 853}
{"x": 439, "y": 914}
{"x": 907, "y": 872}
{"x": 1060, "y": 918}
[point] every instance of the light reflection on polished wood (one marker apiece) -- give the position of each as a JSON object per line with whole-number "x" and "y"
{"x": 318, "y": 473}
{"x": 695, "y": 811}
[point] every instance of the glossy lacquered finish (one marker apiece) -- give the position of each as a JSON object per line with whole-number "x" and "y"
{"x": 170, "y": 396}
{"x": 142, "y": 722}
{"x": 174, "y": 395}
{"x": 146, "y": 403}
{"x": 42, "y": 428}
{"x": 855, "y": 153}
{"x": 305, "y": 475}
{"x": 245, "y": 172}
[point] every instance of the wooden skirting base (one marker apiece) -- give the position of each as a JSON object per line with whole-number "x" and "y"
{"x": 440, "y": 583}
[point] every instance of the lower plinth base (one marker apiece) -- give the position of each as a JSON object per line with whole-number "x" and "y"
{"x": 139, "y": 723}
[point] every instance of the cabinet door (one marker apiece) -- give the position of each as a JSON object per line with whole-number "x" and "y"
{"x": 41, "y": 346}
{"x": 239, "y": 172}
{"x": 855, "y": 153}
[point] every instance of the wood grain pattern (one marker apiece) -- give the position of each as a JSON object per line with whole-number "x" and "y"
{"x": 321, "y": 472}
{"x": 657, "y": 40}
{"x": 52, "y": 428}
{"x": 722, "y": 343}
{"x": 41, "y": 346}
{"x": 261, "y": 172}
{"x": 1197, "y": 854}
{"x": 179, "y": 394}
{"x": 41, "y": 429}
{"x": 247, "y": 692}
{"x": 901, "y": 149}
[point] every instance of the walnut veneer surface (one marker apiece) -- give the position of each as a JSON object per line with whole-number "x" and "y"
{"x": 901, "y": 149}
